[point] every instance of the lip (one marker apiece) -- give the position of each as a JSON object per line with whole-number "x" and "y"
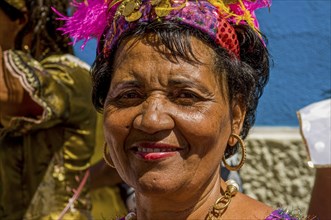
{"x": 154, "y": 151}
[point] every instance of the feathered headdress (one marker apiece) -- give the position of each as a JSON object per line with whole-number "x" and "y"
{"x": 213, "y": 17}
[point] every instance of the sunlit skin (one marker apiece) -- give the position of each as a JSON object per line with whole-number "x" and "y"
{"x": 176, "y": 107}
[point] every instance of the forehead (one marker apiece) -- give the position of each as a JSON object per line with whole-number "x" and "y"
{"x": 153, "y": 65}
{"x": 189, "y": 49}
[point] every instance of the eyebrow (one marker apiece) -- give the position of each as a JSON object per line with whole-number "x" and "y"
{"x": 179, "y": 83}
{"x": 187, "y": 83}
{"x": 124, "y": 84}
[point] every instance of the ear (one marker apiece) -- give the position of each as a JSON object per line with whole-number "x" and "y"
{"x": 21, "y": 22}
{"x": 238, "y": 115}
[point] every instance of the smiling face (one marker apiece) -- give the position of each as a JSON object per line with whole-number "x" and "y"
{"x": 168, "y": 123}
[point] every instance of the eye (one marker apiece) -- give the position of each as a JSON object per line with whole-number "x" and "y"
{"x": 185, "y": 97}
{"x": 128, "y": 98}
{"x": 131, "y": 95}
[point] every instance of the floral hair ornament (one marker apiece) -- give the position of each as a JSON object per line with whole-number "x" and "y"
{"x": 109, "y": 19}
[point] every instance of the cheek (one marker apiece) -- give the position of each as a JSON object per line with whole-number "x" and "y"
{"x": 208, "y": 126}
{"x": 206, "y": 133}
{"x": 116, "y": 127}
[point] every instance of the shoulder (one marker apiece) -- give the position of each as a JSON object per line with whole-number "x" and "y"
{"x": 66, "y": 60}
{"x": 245, "y": 207}
{"x": 249, "y": 208}
{"x": 69, "y": 70}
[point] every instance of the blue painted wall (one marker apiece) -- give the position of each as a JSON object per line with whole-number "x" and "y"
{"x": 299, "y": 41}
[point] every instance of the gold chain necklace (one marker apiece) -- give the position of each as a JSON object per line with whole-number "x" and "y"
{"x": 217, "y": 209}
{"x": 223, "y": 202}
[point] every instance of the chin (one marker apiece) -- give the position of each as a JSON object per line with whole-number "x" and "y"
{"x": 151, "y": 184}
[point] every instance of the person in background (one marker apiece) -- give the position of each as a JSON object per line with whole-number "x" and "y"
{"x": 315, "y": 127}
{"x": 47, "y": 122}
{"x": 48, "y": 127}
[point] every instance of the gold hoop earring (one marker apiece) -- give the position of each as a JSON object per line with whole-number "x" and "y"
{"x": 243, "y": 153}
{"x": 105, "y": 156}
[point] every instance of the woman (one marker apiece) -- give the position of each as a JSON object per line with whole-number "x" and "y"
{"x": 47, "y": 126}
{"x": 178, "y": 83}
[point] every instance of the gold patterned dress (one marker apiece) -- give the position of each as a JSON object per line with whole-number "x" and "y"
{"x": 43, "y": 160}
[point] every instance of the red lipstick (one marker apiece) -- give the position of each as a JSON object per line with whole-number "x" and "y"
{"x": 155, "y": 151}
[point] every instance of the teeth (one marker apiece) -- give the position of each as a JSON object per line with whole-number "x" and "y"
{"x": 155, "y": 150}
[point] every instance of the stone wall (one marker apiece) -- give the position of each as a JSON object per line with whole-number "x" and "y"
{"x": 276, "y": 170}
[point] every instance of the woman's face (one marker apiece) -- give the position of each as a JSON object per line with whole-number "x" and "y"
{"x": 167, "y": 123}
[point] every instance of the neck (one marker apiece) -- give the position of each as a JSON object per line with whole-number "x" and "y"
{"x": 193, "y": 205}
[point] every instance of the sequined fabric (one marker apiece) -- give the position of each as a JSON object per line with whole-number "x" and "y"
{"x": 42, "y": 160}
{"x": 281, "y": 214}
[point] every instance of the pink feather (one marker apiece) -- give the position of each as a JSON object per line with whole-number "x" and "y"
{"x": 251, "y": 6}
{"x": 89, "y": 20}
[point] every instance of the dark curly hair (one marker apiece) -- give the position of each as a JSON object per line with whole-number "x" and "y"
{"x": 43, "y": 24}
{"x": 246, "y": 77}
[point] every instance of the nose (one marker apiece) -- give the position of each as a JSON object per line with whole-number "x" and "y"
{"x": 154, "y": 116}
